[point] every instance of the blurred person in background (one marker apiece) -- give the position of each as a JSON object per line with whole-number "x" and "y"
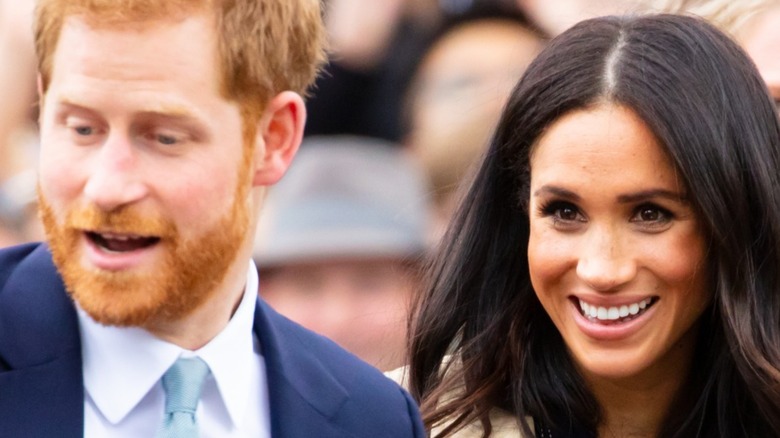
{"x": 374, "y": 46}
{"x": 340, "y": 242}
{"x": 18, "y": 138}
{"x": 754, "y": 23}
{"x": 555, "y": 16}
{"x": 760, "y": 37}
{"x": 458, "y": 92}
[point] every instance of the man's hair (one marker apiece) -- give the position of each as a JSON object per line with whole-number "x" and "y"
{"x": 265, "y": 46}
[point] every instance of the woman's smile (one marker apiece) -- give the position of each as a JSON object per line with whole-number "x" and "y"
{"x": 616, "y": 252}
{"x": 616, "y": 314}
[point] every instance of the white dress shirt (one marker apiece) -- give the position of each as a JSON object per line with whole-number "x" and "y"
{"x": 123, "y": 367}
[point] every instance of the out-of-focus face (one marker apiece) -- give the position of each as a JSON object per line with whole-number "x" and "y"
{"x": 143, "y": 173}
{"x": 761, "y": 40}
{"x": 616, "y": 250}
{"x": 360, "y": 304}
{"x": 557, "y": 16}
{"x": 461, "y": 88}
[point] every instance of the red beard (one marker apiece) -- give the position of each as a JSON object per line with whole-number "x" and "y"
{"x": 189, "y": 274}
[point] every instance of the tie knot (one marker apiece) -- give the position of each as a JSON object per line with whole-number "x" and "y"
{"x": 183, "y": 383}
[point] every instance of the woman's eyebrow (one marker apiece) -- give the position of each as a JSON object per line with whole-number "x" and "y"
{"x": 627, "y": 198}
{"x": 646, "y": 195}
{"x": 548, "y": 190}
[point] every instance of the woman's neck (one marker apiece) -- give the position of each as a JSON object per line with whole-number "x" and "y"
{"x": 630, "y": 412}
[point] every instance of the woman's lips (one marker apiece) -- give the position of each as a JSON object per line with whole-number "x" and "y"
{"x": 605, "y": 325}
{"x": 614, "y": 314}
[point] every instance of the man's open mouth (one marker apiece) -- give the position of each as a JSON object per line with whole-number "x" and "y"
{"x": 114, "y": 242}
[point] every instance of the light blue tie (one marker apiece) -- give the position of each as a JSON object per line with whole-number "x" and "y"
{"x": 182, "y": 383}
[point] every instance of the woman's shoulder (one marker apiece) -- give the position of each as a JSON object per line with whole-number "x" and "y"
{"x": 504, "y": 424}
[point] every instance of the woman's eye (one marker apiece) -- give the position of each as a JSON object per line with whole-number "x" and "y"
{"x": 566, "y": 213}
{"x": 562, "y": 212}
{"x": 652, "y": 214}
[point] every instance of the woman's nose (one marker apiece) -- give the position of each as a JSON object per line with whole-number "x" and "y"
{"x": 607, "y": 260}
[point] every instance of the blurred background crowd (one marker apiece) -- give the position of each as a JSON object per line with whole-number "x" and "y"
{"x": 403, "y": 110}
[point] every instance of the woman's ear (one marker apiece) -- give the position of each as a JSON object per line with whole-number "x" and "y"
{"x": 279, "y": 135}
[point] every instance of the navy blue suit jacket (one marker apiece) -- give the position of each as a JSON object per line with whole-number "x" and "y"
{"x": 316, "y": 389}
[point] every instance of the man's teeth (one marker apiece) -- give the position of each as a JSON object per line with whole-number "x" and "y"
{"x": 120, "y": 237}
{"x": 613, "y": 313}
{"x": 116, "y": 243}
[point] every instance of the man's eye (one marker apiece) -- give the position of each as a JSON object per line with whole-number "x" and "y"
{"x": 163, "y": 139}
{"x": 84, "y": 130}
{"x": 167, "y": 139}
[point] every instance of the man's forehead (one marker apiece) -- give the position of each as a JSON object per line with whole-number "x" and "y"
{"x": 137, "y": 51}
{"x": 133, "y": 14}
{"x": 88, "y": 20}
{"x": 159, "y": 67}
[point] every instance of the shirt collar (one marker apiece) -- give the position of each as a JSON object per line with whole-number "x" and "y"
{"x": 229, "y": 354}
{"x": 122, "y": 364}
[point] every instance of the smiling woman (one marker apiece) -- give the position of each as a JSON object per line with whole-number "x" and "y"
{"x": 616, "y": 251}
{"x": 614, "y": 269}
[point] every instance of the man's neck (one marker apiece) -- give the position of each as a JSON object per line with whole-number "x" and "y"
{"x": 208, "y": 320}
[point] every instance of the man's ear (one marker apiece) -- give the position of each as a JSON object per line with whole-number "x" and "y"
{"x": 39, "y": 85}
{"x": 279, "y": 134}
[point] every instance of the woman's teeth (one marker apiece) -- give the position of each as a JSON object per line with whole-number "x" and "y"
{"x": 622, "y": 313}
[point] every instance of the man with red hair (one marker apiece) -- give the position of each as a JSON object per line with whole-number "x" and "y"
{"x": 162, "y": 123}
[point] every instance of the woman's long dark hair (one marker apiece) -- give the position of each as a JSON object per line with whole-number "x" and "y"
{"x": 701, "y": 96}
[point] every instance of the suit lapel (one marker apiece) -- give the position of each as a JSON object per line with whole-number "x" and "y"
{"x": 41, "y": 382}
{"x": 304, "y": 396}
{"x": 41, "y": 385}
{"x": 43, "y": 401}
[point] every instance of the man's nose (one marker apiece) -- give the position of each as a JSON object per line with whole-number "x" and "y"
{"x": 116, "y": 177}
{"x": 606, "y": 260}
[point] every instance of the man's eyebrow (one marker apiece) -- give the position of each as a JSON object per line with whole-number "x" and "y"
{"x": 168, "y": 111}
{"x": 72, "y": 104}
{"x": 171, "y": 115}
{"x": 172, "y": 112}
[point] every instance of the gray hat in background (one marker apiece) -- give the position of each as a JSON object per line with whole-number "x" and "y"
{"x": 345, "y": 197}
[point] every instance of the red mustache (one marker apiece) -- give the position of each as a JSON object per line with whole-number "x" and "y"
{"x": 121, "y": 221}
